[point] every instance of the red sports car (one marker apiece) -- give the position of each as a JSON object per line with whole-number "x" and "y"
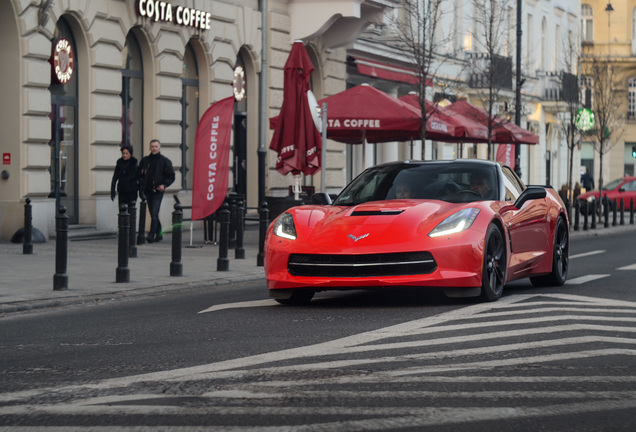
{"x": 468, "y": 226}
{"x": 623, "y": 188}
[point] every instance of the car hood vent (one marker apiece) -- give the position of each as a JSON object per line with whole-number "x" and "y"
{"x": 376, "y": 212}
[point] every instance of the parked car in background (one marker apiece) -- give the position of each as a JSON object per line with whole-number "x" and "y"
{"x": 622, "y": 188}
{"x": 467, "y": 226}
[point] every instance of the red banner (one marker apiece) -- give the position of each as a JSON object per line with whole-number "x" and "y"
{"x": 506, "y": 155}
{"x": 211, "y": 158}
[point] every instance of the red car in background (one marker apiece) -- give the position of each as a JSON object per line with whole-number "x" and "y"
{"x": 622, "y": 188}
{"x": 466, "y": 226}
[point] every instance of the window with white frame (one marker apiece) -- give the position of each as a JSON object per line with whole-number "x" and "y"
{"x": 587, "y": 23}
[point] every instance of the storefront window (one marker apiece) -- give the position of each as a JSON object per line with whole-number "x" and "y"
{"x": 132, "y": 96}
{"x": 189, "y": 114}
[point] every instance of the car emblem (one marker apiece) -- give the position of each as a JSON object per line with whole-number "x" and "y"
{"x": 355, "y": 239}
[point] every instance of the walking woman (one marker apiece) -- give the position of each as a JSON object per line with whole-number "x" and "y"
{"x": 125, "y": 177}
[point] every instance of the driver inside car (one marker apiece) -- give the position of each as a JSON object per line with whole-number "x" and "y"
{"x": 479, "y": 184}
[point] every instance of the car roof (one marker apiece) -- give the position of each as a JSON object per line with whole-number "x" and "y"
{"x": 474, "y": 162}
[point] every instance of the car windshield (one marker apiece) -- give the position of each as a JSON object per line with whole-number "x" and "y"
{"x": 445, "y": 181}
{"x": 613, "y": 184}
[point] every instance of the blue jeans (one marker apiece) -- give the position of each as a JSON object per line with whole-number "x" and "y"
{"x": 154, "y": 204}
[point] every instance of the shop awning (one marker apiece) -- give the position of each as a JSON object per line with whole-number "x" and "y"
{"x": 387, "y": 71}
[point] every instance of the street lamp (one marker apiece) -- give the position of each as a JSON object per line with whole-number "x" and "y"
{"x": 518, "y": 90}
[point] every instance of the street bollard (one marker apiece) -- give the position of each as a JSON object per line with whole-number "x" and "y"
{"x": 222, "y": 262}
{"x": 176, "y": 267}
{"x": 263, "y": 224}
{"x": 122, "y": 273}
{"x": 577, "y": 208}
{"x": 60, "y": 279}
{"x": 27, "y": 245}
{"x": 631, "y": 211}
{"x": 585, "y": 215}
{"x": 132, "y": 210}
{"x": 622, "y": 211}
{"x": 232, "y": 231}
{"x": 605, "y": 212}
{"x": 141, "y": 232}
{"x": 239, "y": 252}
{"x": 593, "y": 225}
{"x": 614, "y": 209}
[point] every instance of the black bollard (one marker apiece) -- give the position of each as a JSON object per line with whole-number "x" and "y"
{"x": 27, "y": 245}
{"x": 122, "y": 274}
{"x": 631, "y": 211}
{"x": 577, "y": 209}
{"x": 141, "y": 232}
{"x": 614, "y": 209}
{"x": 263, "y": 224}
{"x": 233, "y": 218}
{"x": 586, "y": 215}
{"x": 60, "y": 279}
{"x": 222, "y": 262}
{"x": 605, "y": 212}
{"x": 593, "y": 225}
{"x": 132, "y": 210}
{"x": 239, "y": 251}
{"x": 176, "y": 267}
{"x": 622, "y": 211}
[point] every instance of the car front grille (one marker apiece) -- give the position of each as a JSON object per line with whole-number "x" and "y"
{"x": 368, "y": 265}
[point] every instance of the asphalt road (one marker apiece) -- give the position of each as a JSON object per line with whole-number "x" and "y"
{"x": 231, "y": 359}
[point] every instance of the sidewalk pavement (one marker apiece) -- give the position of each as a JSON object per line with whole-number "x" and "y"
{"x": 26, "y": 281}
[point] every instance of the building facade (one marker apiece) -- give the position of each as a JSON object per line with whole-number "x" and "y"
{"x": 608, "y": 58}
{"x": 86, "y": 76}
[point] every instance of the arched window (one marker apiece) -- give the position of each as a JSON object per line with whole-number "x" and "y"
{"x": 587, "y": 23}
{"x": 132, "y": 96}
{"x": 631, "y": 98}
{"x": 189, "y": 114}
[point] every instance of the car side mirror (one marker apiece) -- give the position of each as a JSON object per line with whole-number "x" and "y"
{"x": 531, "y": 193}
{"x": 320, "y": 198}
{"x": 621, "y": 189}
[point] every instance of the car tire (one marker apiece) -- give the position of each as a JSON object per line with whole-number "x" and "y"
{"x": 297, "y": 298}
{"x": 493, "y": 275}
{"x": 560, "y": 258}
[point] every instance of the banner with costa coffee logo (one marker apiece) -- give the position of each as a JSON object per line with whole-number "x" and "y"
{"x": 506, "y": 154}
{"x": 211, "y": 158}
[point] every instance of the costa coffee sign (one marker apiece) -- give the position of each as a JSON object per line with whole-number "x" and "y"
{"x": 182, "y": 15}
{"x": 63, "y": 65}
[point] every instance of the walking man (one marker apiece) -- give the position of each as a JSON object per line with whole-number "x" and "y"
{"x": 156, "y": 175}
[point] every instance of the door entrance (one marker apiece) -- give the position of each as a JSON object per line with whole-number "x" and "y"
{"x": 64, "y": 185}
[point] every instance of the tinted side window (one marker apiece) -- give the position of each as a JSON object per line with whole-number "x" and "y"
{"x": 513, "y": 185}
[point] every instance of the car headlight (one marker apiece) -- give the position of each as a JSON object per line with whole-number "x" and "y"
{"x": 284, "y": 227}
{"x": 457, "y": 222}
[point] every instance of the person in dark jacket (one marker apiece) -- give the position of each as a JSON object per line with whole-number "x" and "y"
{"x": 156, "y": 175}
{"x": 126, "y": 177}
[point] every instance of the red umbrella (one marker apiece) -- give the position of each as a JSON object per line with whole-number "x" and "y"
{"x": 440, "y": 126}
{"x": 296, "y": 139}
{"x": 503, "y": 132}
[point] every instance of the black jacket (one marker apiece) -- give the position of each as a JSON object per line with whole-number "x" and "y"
{"x": 155, "y": 170}
{"x": 125, "y": 177}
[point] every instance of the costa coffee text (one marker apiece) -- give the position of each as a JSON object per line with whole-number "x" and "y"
{"x": 163, "y": 11}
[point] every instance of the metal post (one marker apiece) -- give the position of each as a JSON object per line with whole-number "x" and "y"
{"x": 586, "y": 215}
{"x": 631, "y": 211}
{"x": 141, "y": 232}
{"x": 323, "y": 156}
{"x": 263, "y": 224}
{"x": 593, "y": 215}
{"x": 27, "y": 245}
{"x": 239, "y": 252}
{"x": 614, "y": 209}
{"x": 262, "y": 114}
{"x": 232, "y": 238}
{"x": 176, "y": 267}
{"x": 122, "y": 273}
{"x": 132, "y": 209}
{"x": 60, "y": 279}
{"x": 518, "y": 89}
{"x": 577, "y": 208}
{"x": 622, "y": 211}
{"x": 605, "y": 212}
{"x": 222, "y": 263}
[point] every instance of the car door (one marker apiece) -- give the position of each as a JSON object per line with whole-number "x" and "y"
{"x": 528, "y": 227}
